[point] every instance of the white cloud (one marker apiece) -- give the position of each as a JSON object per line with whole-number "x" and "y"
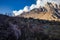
{"x": 38, "y": 3}
{"x": 17, "y": 12}
{"x": 32, "y": 6}
{"x": 26, "y": 9}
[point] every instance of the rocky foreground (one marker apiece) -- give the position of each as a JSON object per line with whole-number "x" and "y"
{"x": 19, "y": 28}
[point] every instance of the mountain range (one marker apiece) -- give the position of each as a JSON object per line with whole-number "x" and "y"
{"x": 38, "y": 24}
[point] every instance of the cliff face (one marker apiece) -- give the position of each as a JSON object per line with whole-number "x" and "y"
{"x": 50, "y": 11}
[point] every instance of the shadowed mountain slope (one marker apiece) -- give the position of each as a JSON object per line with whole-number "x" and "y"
{"x": 19, "y": 28}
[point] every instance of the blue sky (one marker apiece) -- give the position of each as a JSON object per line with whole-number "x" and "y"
{"x": 10, "y": 5}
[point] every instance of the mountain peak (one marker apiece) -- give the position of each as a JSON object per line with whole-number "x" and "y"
{"x": 50, "y": 11}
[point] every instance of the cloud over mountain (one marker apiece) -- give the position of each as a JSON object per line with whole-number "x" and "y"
{"x": 33, "y": 6}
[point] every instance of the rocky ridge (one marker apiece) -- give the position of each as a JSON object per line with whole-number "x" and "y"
{"x": 50, "y": 11}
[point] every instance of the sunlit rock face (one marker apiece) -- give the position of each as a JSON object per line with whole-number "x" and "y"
{"x": 39, "y": 3}
{"x": 43, "y": 9}
{"x": 50, "y": 11}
